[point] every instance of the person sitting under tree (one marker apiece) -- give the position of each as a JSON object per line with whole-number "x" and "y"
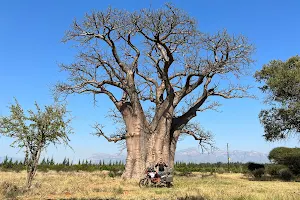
{"x": 161, "y": 166}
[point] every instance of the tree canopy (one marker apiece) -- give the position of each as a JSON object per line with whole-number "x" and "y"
{"x": 159, "y": 71}
{"x": 35, "y": 131}
{"x": 287, "y": 156}
{"x": 281, "y": 82}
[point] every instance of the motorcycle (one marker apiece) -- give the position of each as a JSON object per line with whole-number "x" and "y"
{"x": 153, "y": 179}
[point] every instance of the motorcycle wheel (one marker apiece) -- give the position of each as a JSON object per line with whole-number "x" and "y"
{"x": 144, "y": 182}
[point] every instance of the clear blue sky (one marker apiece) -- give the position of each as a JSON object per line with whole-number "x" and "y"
{"x": 31, "y": 48}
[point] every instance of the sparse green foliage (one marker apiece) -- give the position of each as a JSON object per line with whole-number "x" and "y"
{"x": 273, "y": 170}
{"x": 111, "y": 174}
{"x": 282, "y": 84}
{"x": 258, "y": 173}
{"x": 35, "y": 131}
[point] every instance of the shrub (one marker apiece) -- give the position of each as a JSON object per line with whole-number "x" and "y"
{"x": 213, "y": 170}
{"x": 111, "y": 174}
{"x": 9, "y": 190}
{"x": 185, "y": 173}
{"x": 293, "y": 163}
{"x": 285, "y": 174}
{"x": 253, "y": 166}
{"x": 119, "y": 173}
{"x": 43, "y": 169}
{"x": 221, "y": 170}
{"x": 191, "y": 198}
{"x": 258, "y": 173}
{"x": 273, "y": 170}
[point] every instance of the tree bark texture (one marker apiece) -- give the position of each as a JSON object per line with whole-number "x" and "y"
{"x": 146, "y": 146}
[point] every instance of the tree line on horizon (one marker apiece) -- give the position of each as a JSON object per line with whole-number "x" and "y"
{"x": 117, "y": 166}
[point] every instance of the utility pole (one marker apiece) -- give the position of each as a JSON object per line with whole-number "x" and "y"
{"x": 228, "y": 158}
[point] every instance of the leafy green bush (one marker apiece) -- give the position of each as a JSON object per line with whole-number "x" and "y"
{"x": 274, "y": 169}
{"x": 221, "y": 170}
{"x": 258, "y": 173}
{"x": 111, "y": 174}
{"x": 293, "y": 163}
{"x": 286, "y": 175}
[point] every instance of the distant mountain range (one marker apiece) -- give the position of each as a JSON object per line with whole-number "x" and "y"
{"x": 95, "y": 158}
{"x": 196, "y": 156}
{"x": 190, "y": 155}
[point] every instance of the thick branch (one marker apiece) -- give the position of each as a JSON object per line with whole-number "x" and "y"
{"x": 109, "y": 139}
{"x": 205, "y": 138}
{"x": 188, "y": 115}
{"x": 179, "y": 122}
{"x": 188, "y": 88}
{"x": 199, "y": 137}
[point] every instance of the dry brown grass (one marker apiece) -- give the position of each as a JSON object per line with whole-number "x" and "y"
{"x": 96, "y": 185}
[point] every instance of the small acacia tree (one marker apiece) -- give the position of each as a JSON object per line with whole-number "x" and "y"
{"x": 157, "y": 59}
{"x": 35, "y": 131}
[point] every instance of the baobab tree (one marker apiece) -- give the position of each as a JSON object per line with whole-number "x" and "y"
{"x": 155, "y": 59}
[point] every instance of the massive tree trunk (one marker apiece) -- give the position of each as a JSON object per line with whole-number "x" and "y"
{"x": 135, "y": 161}
{"x": 145, "y": 146}
{"x": 173, "y": 144}
{"x": 159, "y": 141}
{"x": 135, "y": 126}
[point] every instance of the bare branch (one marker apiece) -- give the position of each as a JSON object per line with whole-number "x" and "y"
{"x": 233, "y": 92}
{"x": 87, "y": 87}
{"x": 109, "y": 139}
{"x": 205, "y": 138}
{"x": 227, "y": 54}
{"x": 148, "y": 79}
{"x": 212, "y": 106}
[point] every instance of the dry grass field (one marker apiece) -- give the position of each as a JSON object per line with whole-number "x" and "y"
{"x": 97, "y": 185}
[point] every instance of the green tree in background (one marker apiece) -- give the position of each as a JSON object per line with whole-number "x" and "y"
{"x": 282, "y": 84}
{"x": 35, "y": 131}
{"x": 52, "y": 161}
{"x": 289, "y": 157}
